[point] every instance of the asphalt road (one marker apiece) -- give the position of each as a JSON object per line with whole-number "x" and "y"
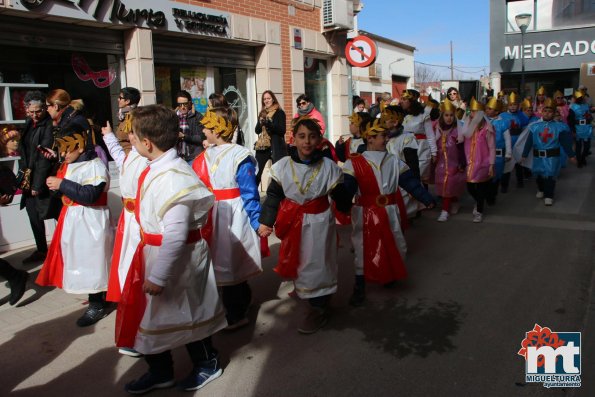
{"x": 452, "y": 329}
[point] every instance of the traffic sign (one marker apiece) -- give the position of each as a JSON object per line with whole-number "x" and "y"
{"x": 360, "y": 51}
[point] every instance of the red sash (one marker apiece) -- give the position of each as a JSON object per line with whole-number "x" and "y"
{"x": 420, "y": 136}
{"x": 114, "y": 289}
{"x": 288, "y": 227}
{"x": 52, "y": 271}
{"x": 347, "y": 148}
{"x": 199, "y": 165}
{"x": 382, "y": 261}
{"x": 331, "y": 148}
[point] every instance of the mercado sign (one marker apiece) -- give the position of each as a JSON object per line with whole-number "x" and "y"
{"x": 142, "y": 13}
{"x": 554, "y": 49}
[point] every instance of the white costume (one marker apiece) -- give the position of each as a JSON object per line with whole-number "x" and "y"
{"x": 317, "y": 271}
{"x": 395, "y": 146}
{"x": 235, "y": 245}
{"x": 188, "y": 309}
{"x": 416, "y": 126}
{"x": 387, "y": 169}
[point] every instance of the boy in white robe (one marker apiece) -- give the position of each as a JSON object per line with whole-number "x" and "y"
{"x": 170, "y": 297}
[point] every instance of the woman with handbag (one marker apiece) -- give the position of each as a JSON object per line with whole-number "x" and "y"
{"x": 35, "y": 168}
{"x": 271, "y": 133}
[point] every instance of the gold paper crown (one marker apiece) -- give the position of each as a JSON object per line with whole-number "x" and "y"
{"x": 526, "y": 104}
{"x": 373, "y": 128}
{"x": 549, "y": 103}
{"x": 494, "y": 103}
{"x": 410, "y": 94}
{"x": 474, "y": 105}
{"x": 447, "y": 106}
{"x": 578, "y": 94}
{"x": 70, "y": 143}
{"x": 390, "y": 114}
{"x": 355, "y": 118}
{"x": 217, "y": 124}
{"x": 513, "y": 98}
{"x": 383, "y": 105}
{"x": 501, "y": 94}
{"x": 558, "y": 93}
{"x": 541, "y": 91}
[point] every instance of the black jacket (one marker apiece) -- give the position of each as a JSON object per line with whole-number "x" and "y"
{"x": 194, "y": 136}
{"x": 276, "y": 128}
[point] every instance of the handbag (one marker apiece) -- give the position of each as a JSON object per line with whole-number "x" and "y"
{"x": 24, "y": 179}
{"x": 264, "y": 141}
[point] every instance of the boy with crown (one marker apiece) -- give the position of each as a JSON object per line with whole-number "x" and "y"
{"x": 545, "y": 138}
{"x": 374, "y": 177}
{"x": 80, "y": 251}
{"x": 540, "y": 97}
{"x": 512, "y": 116}
{"x": 229, "y": 171}
{"x": 297, "y": 204}
{"x": 170, "y": 296}
{"x": 344, "y": 148}
{"x": 579, "y": 120}
{"x": 503, "y": 146}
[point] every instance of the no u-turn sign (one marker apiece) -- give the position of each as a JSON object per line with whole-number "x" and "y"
{"x": 360, "y": 51}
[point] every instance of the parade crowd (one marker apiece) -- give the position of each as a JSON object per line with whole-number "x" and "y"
{"x": 193, "y": 229}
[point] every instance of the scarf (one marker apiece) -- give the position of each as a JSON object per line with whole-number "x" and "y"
{"x": 264, "y": 138}
{"x": 122, "y": 112}
{"x": 303, "y": 112}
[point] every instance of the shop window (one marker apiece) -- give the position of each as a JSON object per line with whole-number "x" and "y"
{"x": 551, "y": 14}
{"x": 170, "y": 80}
{"x": 315, "y": 76}
{"x": 232, "y": 83}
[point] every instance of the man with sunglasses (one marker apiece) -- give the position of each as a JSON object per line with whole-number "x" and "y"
{"x": 127, "y": 100}
{"x": 191, "y": 135}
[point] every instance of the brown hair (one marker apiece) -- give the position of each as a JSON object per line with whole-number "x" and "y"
{"x": 218, "y": 101}
{"x": 229, "y": 115}
{"x": 156, "y": 123}
{"x": 58, "y": 97}
{"x": 308, "y": 122}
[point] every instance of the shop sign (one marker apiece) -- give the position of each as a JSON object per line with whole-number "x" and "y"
{"x": 550, "y": 50}
{"x": 142, "y": 13}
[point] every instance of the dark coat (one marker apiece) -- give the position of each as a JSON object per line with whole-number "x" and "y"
{"x": 276, "y": 129}
{"x": 194, "y": 137}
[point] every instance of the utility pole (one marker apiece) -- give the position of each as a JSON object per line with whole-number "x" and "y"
{"x": 452, "y": 70}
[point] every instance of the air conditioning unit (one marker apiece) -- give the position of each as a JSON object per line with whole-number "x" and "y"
{"x": 337, "y": 14}
{"x": 375, "y": 71}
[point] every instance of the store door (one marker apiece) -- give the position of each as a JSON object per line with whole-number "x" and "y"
{"x": 315, "y": 77}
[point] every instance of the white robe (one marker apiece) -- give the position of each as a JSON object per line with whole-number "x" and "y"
{"x": 87, "y": 235}
{"x": 395, "y": 146}
{"x": 235, "y": 245}
{"x": 387, "y": 169}
{"x": 317, "y": 272}
{"x": 189, "y": 308}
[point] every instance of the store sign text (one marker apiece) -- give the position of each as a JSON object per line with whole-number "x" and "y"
{"x": 198, "y": 21}
{"x": 551, "y": 50}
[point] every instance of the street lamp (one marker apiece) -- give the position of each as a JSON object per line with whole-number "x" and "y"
{"x": 523, "y": 21}
{"x": 398, "y": 60}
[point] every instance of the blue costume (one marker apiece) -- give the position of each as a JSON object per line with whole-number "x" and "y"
{"x": 502, "y": 130}
{"x": 579, "y": 120}
{"x": 516, "y": 125}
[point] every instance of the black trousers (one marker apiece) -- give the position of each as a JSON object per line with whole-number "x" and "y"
{"x": 7, "y": 271}
{"x": 547, "y": 186}
{"x": 37, "y": 224}
{"x": 582, "y": 151}
{"x": 479, "y": 192}
{"x": 320, "y": 302}
{"x": 236, "y": 299}
{"x": 162, "y": 364}
{"x": 262, "y": 156}
{"x": 518, "y": 171}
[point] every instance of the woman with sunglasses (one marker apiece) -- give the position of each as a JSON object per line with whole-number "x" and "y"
{"x": 453, "y": 96}
{"x": 127, "y": 100}
{"x": 38, "y": 131}
{"x": 306, "y": 107}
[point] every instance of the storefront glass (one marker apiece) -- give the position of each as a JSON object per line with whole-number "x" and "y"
{"x": 551, "y": 14}
{"x": 315, "y": 76}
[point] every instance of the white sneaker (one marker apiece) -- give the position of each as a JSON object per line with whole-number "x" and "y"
{"x": 539, "y": 195}
{"x": 443, "y": 216}
{"x": 475, "y": 211}
{"x": 477, "y": 218}
{"x": 455, "y": 207}
{"x": 548, "y": 201}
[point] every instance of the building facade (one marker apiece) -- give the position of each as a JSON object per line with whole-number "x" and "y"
{"x": 557, "y": 50}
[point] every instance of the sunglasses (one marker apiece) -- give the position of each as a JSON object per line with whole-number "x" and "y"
{"x": 302, "y": 103}
{"x": 122, "y": 98}
{"x": 185, "y": 104}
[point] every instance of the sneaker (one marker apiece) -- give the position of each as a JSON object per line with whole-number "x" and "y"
{"x": 455, "y": 207}
{"x": 35, "y": 257}
{"x": 200, "y": 376}
{"x": 235, "y": 324}
{"x": 539, "y": 195}
{"x": 17, "y": 286}
{"x": 548, "y": 201}
{"x": 315, "y": 319}
{"x": 443, "y": 216}
{"x": 148, "y": 382}
{"x": 475, "y": 211}
{"x": 91, "y": 316}
{"x": 127, "y": 351}
{"x": 358, "y": 297}
{"x": 477, "y": 218}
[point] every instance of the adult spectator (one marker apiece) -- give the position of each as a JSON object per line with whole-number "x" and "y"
{"x": 359, "y": 105}
{"x": 127, "y": 100}
{"x": 381, "y": 102}
{"x": 191, "y": 135}
{"x": 306, "y": 107}
{"x": 455, "y": 98}
{"x": 35, "y": 199}
{"x": 270, "y": 128}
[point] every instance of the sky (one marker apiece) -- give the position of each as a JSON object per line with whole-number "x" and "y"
{"x": 429, "y": 26}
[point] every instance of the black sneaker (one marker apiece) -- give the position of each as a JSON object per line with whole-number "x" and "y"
{"x": 148, "y": 382}
{"x": 35, "y": 257}
{"x": 91, "y": 316}
{"x": 200, "y": 376}
{"x": 17, "y": 286}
